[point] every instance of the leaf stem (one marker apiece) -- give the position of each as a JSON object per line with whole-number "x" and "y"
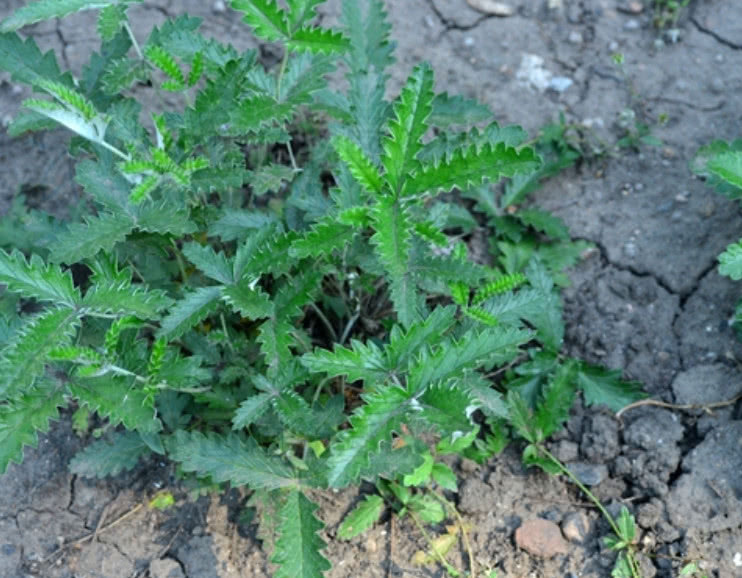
{"x": 325, "y": 322}
{"x": 179, "y": 259}
{"x": 464, "y": 534}
{"x": 437, "y": 554}
{"x": 133, "y": 40}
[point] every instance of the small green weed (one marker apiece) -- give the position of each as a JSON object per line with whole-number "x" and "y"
{"x": 286, "y": 312}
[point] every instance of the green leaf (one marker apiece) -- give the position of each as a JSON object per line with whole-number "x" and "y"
{"x": 605, "y": 387}
{"x": 166, "y": 63}
{"x": 405, "y": 346}
{"x": 163, "y": 218}
{"x": 471, "y": 166}
{"x": 110, "y": 21}
{"x": 212, "y": 264}
{"x": 236, "y": 225}
{"x": 325, "y": 237}
{"x": 557, "y": 399}
{"x": 250, "y": 303}
{"x": 363, "y": 362}
{"x": 118, "y": 399}
{"x": 546, "y": 316}
{"x": 360, "y": 166}
{"x": 392, "y": 240}
{"x": 229, "y": 459}
{"x": 302, "y": 11}
{"x": 297, "y": 550}
{"x": 544, "y": 222}
{"x": 473, "y": 349}
{"x": 727, "y": 166}
{"x": 48, "y": 9}
{"x": 37, "y": 280}
{"x": 406, "y": 130}
{"x": 730, "y": 261}
{"x": 189, "y": 311}
{"x": 84, "y": 240}
{"x": 21, "y": 419}
{"x": 368, "y": 29}
{"x": 373, "y": 423}
{"x": 422, "y": 473}
{"x": 110, "y": 457}
{"x": 447, "y": 407}
{"x": 251, "y": 410}
{"x": 317, "y": 40}
{"x": 24, "y": 357}
{"x": 258, "y": 112}
{"x": 270, "y": 178}
{"x": 362, "y": 517}
{"x": 444, "y": 477}
{"x": 25, "y": 62}
{"x": 448, "y": 110}
{"x": 266, "y": 18}
{"x": 125, "y": 299}
{"x": 521, "y": 417}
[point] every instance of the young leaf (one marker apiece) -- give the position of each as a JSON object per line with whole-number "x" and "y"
{"x": 110, "y": 21}
{"x": 251, "y": 409}
{"x": 405, "y": 346}
{"x": 25, "y": 62}
{"x": 251, "y": 303}
{"x": 605, "y": 387}
{"x": 727, "y": 166}
{"x": 192, "y": 309}
{"x": 109, "y": 457}
{"x": 471, "y": 166}
{"x": 302, "y": 11}
{"x": 22, "y": 418}
{"x": 448, "y": 110}
{"x": 373, "y": 423}
{"x": 368, "y": 29}
{"x": 363, "y": 516}
{"x": 229, "y": 459}
{"x": 297, "y": 550}
{"x": 84, "y": 240}
{"x": 325, "y": 237}
{"x": 411, "y": 110}
{"x": 37, "y": 280}
{"x": 557, "y": 399}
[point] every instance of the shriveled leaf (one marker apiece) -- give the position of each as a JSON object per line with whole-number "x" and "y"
{"x": 109, "y": 457}
{"x": 362, "y": 517}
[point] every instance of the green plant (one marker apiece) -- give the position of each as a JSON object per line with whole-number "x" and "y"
{"x": 278, "y": 316}
{"x": 667, "y": 12}
{"x": 720, "y": 163}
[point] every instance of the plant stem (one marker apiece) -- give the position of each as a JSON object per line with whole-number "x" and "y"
{"x": 133, "y": 40}
{"x": 179, "y": 259}
{"x": 325, "y": 322}
{"x": 565, "y": 470}
{"x": 464, "y": 534}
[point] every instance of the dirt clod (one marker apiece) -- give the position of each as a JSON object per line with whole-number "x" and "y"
{"x": 541, "y": 538}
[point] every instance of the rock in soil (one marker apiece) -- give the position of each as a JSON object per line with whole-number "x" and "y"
{"x": 491, "y": 7}
{"x": 541, "y": 538}
{"x": 165, "y": 568}
{"x": 575, "y": 527}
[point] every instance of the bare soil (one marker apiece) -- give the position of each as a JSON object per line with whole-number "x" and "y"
{"x": 648, "y": 301}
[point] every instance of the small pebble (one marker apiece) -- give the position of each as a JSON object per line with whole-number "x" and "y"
{"x": 560, "y": 83}
{"x": 469, "y": 41}
{"x": 631, "y": 24}
{"x": 575, "y": 527}
{"x": 613, "y": 46}
{"x": 589, "y": 474}
{"x": 717, "y": 85}
{"x": 737, "y": 559}
{"x": 575, "y": 37}
{"x": 218, "y": 6}
{"x": 629, "y": 249}
{"x": 491, "y": 7}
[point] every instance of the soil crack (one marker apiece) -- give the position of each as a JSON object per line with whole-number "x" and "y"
{"x": 715, "y": 35}
{"x": 451, "y": 25}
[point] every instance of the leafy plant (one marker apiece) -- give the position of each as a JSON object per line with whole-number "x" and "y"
{"x": 278, "y": 310}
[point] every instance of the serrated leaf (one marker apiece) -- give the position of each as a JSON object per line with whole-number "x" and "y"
{"x": 447, "y": 407}
{"x": 556, "y": 401}
{"x": 544, "y": 222}
{"x": 547, "y": 316}
{"x": 84, "y": 240}
{"x": 730, "y": 261}
{"x": 297, "y": 550}
{"x": 498, "y": 286}
{"x": 422, "y": 473}
{"x": 270, "y": 178}
{"x": 109, "y": 457}
{"x": 325, "y": 237}
{"x": 362, "y": 517}
{"x": 229, "y": 459}
{"x": 251, "y": 303}
{"x": 110, "y": 21}
{"x": 471, "y": 166}
{"x": 363, "y": 362}
{"x": 521, "y": 418}
{"x": 189, "y": 311}
{"x": 368, "y": 29}
{"x": 317, "y": 40}
{"x": 373, "y": 423}
{"x": 48, "y": 9}
{"x": 258, "y": 112}
{"x": 119, "y": 399}
{"x": 404, "y": 346}
{"x": 605, "y": 387}
{"x": 444, "y": 477}
{"x": 166, "y": 63}
{"x": 360, "y": 166}
{"x": 449, "y": 269}
{"x": 265, "y": 17}
{"x": 406, "y": 130}
{"x": 236, "y": 225}
{"x": 34, "y": 279}
{"x": 23, "y": 59}
{"x": 392, "y": 241}
{"x": 24, "y": 357}
{"x": 471, "y": 350}
{"x": 251, "y": 410}
{"x": 122, "y": 298}
{"x": 212, "y": 264}
{"x": 20, "y": 420}
{"x": 163, "y": 219}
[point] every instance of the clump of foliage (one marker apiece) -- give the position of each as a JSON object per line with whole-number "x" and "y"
{"x": 280, "y": 310}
